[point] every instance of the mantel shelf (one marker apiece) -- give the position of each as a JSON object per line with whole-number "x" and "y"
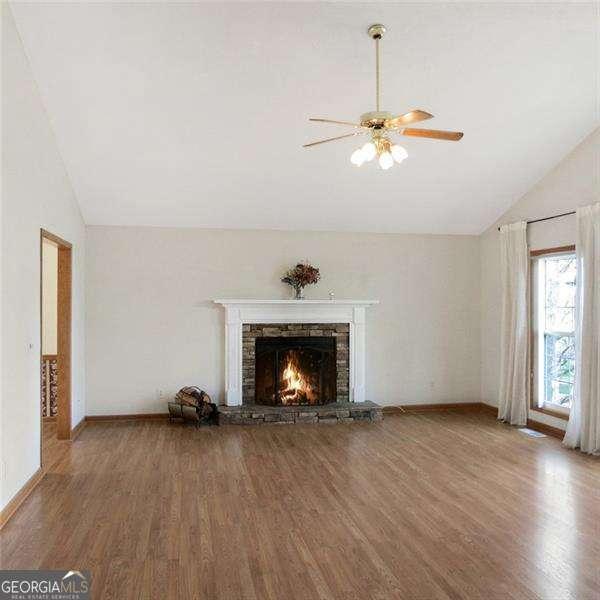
{"x": 226, "y": 301}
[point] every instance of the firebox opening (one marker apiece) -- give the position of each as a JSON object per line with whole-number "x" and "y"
{"x": 295, "y": 370}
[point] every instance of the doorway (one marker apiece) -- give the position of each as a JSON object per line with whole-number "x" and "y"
{"x": 55, "y": 347}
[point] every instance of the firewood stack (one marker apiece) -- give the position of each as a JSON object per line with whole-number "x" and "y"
{"x": 193, "y": 404}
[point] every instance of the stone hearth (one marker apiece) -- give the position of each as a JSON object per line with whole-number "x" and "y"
{"x": 338, "y": 412}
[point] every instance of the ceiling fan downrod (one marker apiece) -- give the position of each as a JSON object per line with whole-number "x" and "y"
{"x": 376, "y": 32}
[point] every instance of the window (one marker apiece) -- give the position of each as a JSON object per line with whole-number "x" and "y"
{"x": 554, "y": 276}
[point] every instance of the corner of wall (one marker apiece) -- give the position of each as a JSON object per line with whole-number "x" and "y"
{"x": 31, "y": 199}
{"x": 573, "y": 182}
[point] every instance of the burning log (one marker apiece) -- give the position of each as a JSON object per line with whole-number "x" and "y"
{"x": 298, "y": 390}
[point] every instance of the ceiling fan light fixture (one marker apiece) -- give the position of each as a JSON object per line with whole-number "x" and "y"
{"x": 369, "y": 151}
{"x": 385, "y": 160}
{"x": 398, "y": 153}
{"x": 358, "y": 157}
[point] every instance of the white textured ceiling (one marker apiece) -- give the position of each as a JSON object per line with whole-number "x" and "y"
{"x": 194, "y": 114}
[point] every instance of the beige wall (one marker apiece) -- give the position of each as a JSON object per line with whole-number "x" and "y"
{"x": 49, "y": 296}
{"x": 151, "y": 323}
{"x": 36, "y": 193}
{"x": 574, "y": 182}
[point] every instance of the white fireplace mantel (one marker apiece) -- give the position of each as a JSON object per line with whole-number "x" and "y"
{"x": 241, "y": 311}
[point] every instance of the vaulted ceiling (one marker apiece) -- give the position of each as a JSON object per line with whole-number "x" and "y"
{"x": 170, "y": 114}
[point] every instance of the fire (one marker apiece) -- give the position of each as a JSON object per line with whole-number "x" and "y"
{"x": 297, "y": 389}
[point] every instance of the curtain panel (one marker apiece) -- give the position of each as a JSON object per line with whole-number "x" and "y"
{"x": 512, "y": 401}
{"x": 583, "y": 429}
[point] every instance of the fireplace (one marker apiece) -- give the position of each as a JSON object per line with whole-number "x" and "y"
{"x": 248, "y": 319}
{"x": 295, "y": 364}
{"x": 279, "y": 333}
{"x": 291, "y": 371}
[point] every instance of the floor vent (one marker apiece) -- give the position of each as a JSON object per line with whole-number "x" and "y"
{"x": 531, "y": 432}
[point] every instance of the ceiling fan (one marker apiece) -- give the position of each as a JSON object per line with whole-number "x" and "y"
{"x": 380, "y": 124}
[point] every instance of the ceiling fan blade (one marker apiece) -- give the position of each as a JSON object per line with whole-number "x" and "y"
{"x": 336, "y": 122}
{"x": 339, "y": 137}
{"x": 414, "y": 116}
{"x": 453, "y": 136}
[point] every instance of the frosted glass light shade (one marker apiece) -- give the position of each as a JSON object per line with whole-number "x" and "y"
{"x": 369, "y": 151}
{"x": 398, "y": 153}
{"x": 385, "y": 160}
{"x": 358, "y": 157}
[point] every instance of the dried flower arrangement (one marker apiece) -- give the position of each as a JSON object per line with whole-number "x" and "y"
{"x": 301, "y": 275}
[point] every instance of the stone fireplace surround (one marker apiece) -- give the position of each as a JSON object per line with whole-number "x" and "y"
{"x": 240, "y": 317}
{"x": 341, "y": 332}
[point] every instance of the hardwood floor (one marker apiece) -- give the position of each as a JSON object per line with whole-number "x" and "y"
{"x": 421, "y": 506}
{"x": 53, "y": 449}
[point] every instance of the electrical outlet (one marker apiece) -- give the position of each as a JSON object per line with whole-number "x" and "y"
{"x": 160, "y": 394}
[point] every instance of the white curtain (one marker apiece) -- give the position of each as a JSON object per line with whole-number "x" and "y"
{"x": 512, "y": 402}
{"x": 583, "y": 429}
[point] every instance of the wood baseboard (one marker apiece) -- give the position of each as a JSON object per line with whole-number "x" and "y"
{"x": 78, "y": 429}
{"x": 547, "y": 429}
{"x": 9, "y": 510}
{"x": 488, "y": 408}
{"x": 419, "y": 408}
{"x": 551, "y": 413}
{"x": 134, "y": 417}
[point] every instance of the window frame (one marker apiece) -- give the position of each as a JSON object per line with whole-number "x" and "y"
{"x": 534, "y": 255}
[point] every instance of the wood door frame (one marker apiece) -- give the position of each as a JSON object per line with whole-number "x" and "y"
{"x": 63, "y": 325}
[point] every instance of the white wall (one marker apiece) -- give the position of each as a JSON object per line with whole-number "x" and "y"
{"x": 151, "y": 323}
{"x": 36, "y": 193}
{"x": 574, "y": 182}
{"x": 49, "y": 296}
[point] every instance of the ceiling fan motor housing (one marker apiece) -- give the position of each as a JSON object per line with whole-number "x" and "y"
{"x": 375, "y": 119}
